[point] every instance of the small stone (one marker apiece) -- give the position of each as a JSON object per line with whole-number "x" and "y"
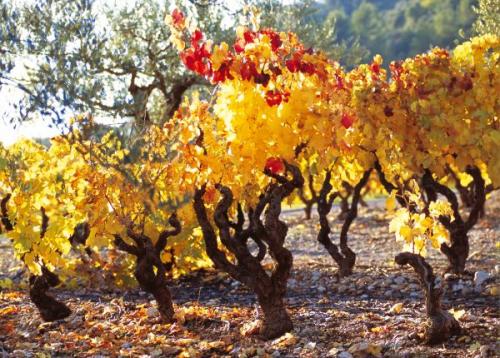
{"x": 467, "y": 290}
{"x": 275, "y": 354}
{"x": 415, "y": 294}
{"x": 156, "y": 353}
{"x": 333, "y": 352}
{"x": 344, "y": 354}
{"x": 497, "y": 269}
{"x": 388, "y": 293}
{"x": 321, "y": 289}
{"x": 364, "y": 297}
{"x": 316, "y": 275}
{"x": 292, "y": 283}
{"x": 399, "y": 280}
{"x": 480, "y": 277}
{"x": 152, "y": 312}
{"x": 341, "y": 289}
{"x": 448, "y": 276}
{"x": 458, "y": 287}
{"x": 126, "y": 345}
{"x": 359, "y": 347}
{"x": 484, "y": 350}
{"x": 310, "y": 345}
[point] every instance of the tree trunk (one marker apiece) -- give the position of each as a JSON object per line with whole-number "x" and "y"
{"x": 156, "y": 285}
{"x": 441, "y": 324}
{"x": 457, "y": 252}
{"x": 308, "y": 210}
{"x": 344, "y": 208}
{"x": 50, "y": 309}
{"x": 275, "y": 321}
{"x": 164, "y": 302}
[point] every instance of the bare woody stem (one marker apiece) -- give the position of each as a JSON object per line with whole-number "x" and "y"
{"x": 5, "y": 213}
{"x": 269, "y": 234}
{"x": 442, "y": 325}
{"x": 150, "y": 271}
{"x": 313, "y": 199}
{"x": 50, "y": 309}
{"x": 346, "y": 258}
{"x": 459, "y": 227}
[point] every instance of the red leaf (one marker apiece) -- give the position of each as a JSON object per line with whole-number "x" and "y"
{"x": 178, "y": 18}
{"x": 375, "y": 68}
{"x": 239, "y": 46}
{"x": 273, "y": 98}
{"x": 347, "y": 120}
{"x": 275, "y": 165}
{"x": 293, "y": 65}
{"x": 196, "y": 37}
{"x": 249, "y": 36}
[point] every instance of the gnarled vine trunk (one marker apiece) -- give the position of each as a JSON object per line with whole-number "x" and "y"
{"x": 147, "y": 261}
{"x": 269, "y": 235}
{"x": 50, "y": 309}
{"x": 458, "y": 249}
{"x": 345, "y": 257}
{"x": 441, "y": 324}
{"x": 313, "y": 199}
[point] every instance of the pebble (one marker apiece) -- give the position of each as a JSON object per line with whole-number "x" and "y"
{"x": 415, "y": 294}
{"x": 497, "y": 269}
{"x": 321, "y": 289}
{"x": 344, "y": 354}
{"x": 275, "y": 354}
{"x": 310, "y": 345}
{"x": 480, "y": 277}
{"x": 341, "y": 289}
{"x": 458, "y": 287}
{"x": 152, "y": 312}
{"x": 399, "y": 280}
{"x": 449, "y": 276}
{"x": 315, "y": 276}
{"x": 126, "y": 345}
{"x": 484, "y": 350}
{"x": 466, "y": 290}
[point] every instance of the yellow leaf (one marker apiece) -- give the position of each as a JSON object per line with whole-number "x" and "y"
{"x": 457, "y": 314}
{"x": 390, "y": 203}
{"x": 396, "y": 309}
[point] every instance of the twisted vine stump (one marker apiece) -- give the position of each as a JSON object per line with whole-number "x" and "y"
{"x": 147, "y": 260}
{"x": 269, "y": 236}
{"x": 50, "y": 309}
{"x": 345, "y": 257}
{"x": 313, "y": 199}
{"x": 458, "y": 250}
{"x": 441, "y": 324}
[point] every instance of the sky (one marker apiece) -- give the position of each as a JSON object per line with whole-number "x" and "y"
{"x": 39, "y": 128}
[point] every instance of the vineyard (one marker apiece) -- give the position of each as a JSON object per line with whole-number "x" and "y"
{"x": 298, "y": 209}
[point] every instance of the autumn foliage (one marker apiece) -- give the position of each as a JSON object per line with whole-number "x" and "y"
{"x": 221, "y": 168}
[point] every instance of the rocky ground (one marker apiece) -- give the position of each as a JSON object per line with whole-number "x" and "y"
{"x": 378, "y": 311}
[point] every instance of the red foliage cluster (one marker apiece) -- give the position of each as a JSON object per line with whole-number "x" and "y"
{"x": 347, "y": 120}
{"x": 197, "y": 57}
{"x": 178, "y": 18}
{"x": 275, "y": 97}
{"x": 274, "y": 165}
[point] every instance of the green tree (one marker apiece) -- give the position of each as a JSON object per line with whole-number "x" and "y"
{"x": 488, "y": 20}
